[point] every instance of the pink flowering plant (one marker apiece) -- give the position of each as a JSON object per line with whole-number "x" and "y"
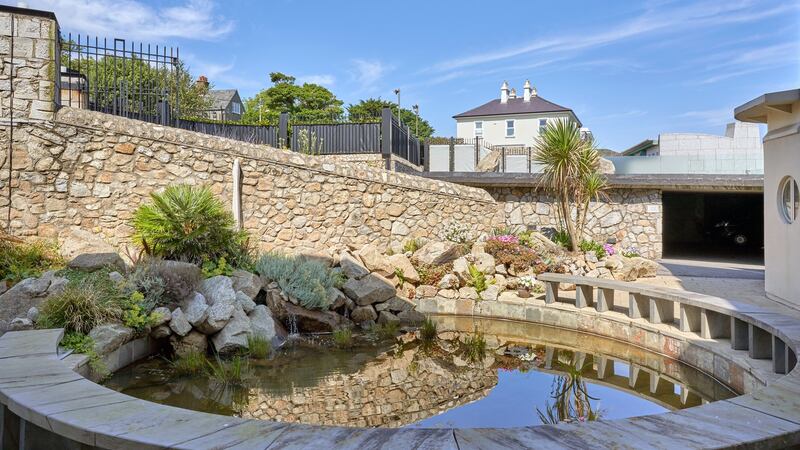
{"x": 610, "y": 250}
{"x": 505, "y": 239}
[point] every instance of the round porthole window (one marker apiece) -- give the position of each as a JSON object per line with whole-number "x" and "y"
{"x": 789, "y": 199}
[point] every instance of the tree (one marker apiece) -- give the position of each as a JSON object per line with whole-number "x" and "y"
{"x": 284, "y": 95}
{"x": 570, "y": 172}
{"x": 372, "y": 107}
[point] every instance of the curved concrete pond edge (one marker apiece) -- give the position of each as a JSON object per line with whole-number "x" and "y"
{"x": 46, "y": 404}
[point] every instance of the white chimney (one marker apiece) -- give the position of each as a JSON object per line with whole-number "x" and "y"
{"x": 513, "y": 93}
{"x": 504, "y": 92}
{"x": 533, "y": 91}
{"x": 526, "y": 91}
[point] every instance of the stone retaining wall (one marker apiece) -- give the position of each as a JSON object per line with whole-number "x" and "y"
{"x": 91, "y": 171}
{"x": 631, "y": 216}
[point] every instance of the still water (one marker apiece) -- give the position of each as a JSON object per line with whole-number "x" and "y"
{"x": 526, "y": 375}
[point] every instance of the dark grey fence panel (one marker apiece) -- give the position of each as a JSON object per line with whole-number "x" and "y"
{"x": 404, "y": 144}
{"x": 253, "y": 134}
{"x": 339, "y": 138}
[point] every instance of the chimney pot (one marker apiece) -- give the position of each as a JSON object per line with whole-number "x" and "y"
{"x": 202, "y": 82}
{"x": 504, "y": 92}
{"x": 526, "y": 91}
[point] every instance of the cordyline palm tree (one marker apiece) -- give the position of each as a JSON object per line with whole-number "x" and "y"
{"x": 570, "y": 171}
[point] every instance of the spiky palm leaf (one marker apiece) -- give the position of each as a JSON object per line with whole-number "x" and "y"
{"x": 185, "y": 222}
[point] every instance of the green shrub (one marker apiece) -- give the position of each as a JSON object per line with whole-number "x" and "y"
{"x": 161, "y": 284}
{"x": 81, "y": 343}
{"x": 192, "y": 363}
{"x": 343, "y": 338}
{"x": 220, "y": 267}
{"x": 412, "y": 245}
{"x": 594, "y": 247}
{"x": 20, "y": 260}
{"x": 232, "y": 372}
{"x": 307, "y": 281}
{"x": 477, "y": 279}
{"x": 507, "y": 230}
{"x": 561, "y": 237}
{"x": 386, "y": 330}
{"x": 428, "y": 333}
{"x": 187, "y": 223}
{"x": 476, "y": 347}
{"x": 83, "y": 305}
{"x": 258, "y": 347}
{"x": 136, "y": 316}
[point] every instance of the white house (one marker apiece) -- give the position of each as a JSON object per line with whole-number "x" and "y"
{"x": 511, "y": 120}
{"x": 781, "y": 112}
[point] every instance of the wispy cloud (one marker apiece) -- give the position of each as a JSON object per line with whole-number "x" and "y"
{"x": 133, "y": 19}
{"x": 654, "y": 21}
{"x": 741, "y": 62}
{"x": 709, "y": 117}
{"x": 368, "y": 72}
{"x": 621, "y": 115}
{"x": 322, "y": 79}
{"x": 221, "y": 75}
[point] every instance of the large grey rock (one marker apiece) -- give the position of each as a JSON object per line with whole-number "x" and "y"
{"x": 116, "y": 277}
{"x": 411, "y": 317}
{"x": 436, "y": 253}
{"x": 491, "y": 293}
{"x": 632, "y": 268}
{"x": 352, "y": 266}
{"x": 74, "y": 241}
{"x": 395, "y": 304}
{"x": 542, "y": 245}
{"x": 218, "y": 315}
{"x": 461, "y": 269}
{"x": 218, "y": 289}
{"x": 91, "y": 262}
{"x": 449, "y": 281}
{"x": 321, "y": 256}
{"x": 248, "y": 283}
{"x": 606, "y": 166}
{"x": 195, "y": 308}
{"x": 373, "y": 288}
{"x": 29, "y": 293}
{"x": 20, "y": 324}
{"x": 192, "y": 342}
{"x": 490, "y": 162}
{"x": 178, "y": 323}
{"x": 336, "y": 298}
{"x": 245, "y": 302}
{"x": 161, "y": 332}
{"x": 387, "y": 317}
{"x": 109, "y": 337}
{"x": 363, "y": 314}
{"x": 303, "y": 319}
{"x": 262, "y": 323}
{"x": 403, "y": 264}
{"x": 164, "y": 315}
{"x": 32, "y": 314}
{"x": 484, "y": 262}
{"x": 233, "y": 336}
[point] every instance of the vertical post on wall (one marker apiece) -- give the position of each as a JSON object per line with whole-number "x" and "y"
{"x": 425, "y": 154}
{"x": 386, "y": 137}
{"x": 477, "y": 152}
{"x": 237, "y": 194}
{"x": 451, "y": 154}
{"x": 502, "y": 159}
{"x": 529, "y": 160}
{"x": 283, "y": 130}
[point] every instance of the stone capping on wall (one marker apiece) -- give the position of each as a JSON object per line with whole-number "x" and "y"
{"x": 38, "y": 388}
{"x": 121, "y": 126}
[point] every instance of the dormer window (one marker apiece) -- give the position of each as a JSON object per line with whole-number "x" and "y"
{"x": 478, "y": 128}
{"x": 509, "y": 128}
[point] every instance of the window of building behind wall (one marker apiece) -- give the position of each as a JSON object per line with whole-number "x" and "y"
{"x": 789, "y": 199}
{"x": 478, "y": 128}
{"x": 542, "y": 125}
{"x": 509, "y": 128}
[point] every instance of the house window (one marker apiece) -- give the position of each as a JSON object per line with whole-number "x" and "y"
{"x": 789, "y": 199}
{"x": 478, "y": 128}
{"x": 509, "y": 128}
{"x": 542, "y": 125}
{"x": 236, "y": 107}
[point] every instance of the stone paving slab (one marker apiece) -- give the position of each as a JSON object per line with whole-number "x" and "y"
{"x": 245, "y": 436}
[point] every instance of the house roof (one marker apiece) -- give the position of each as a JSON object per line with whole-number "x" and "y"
{"x": 756, "y": 110}
{"x": 220, "y": 98}
{"x": 644, "y": 145}
{"x": 515, "y": 106}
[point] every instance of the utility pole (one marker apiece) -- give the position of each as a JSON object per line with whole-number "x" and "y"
{"x": 416, "y": 120}
{"x": 397, "y": 92}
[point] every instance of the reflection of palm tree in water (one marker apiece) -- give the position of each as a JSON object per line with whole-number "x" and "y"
{"x": 572, "y": 401}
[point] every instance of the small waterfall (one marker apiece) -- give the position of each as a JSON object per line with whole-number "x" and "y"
{"x": 293, "y": 331}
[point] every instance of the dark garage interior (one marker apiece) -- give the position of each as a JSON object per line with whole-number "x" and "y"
{"x": 721, "y": 226}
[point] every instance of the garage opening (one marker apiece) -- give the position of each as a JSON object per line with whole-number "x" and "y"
{"x": 726, "y": 226}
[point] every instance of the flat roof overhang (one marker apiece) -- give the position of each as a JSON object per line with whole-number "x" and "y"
{"x": 664, "y": 182}
{"x": 756, "y": 110}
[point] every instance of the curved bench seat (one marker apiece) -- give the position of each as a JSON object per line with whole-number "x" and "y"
{"x": 50, "y": 401}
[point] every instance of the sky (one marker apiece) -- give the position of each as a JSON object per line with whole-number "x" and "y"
{"x": 629, "y": 70}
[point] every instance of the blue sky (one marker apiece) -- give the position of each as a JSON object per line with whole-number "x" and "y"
{"x": 629, "y": 69}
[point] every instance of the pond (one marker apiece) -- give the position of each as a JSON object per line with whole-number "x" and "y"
{"x": 527, "y": 375}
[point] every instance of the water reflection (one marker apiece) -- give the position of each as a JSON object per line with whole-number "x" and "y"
{"x": 530, "y": 374}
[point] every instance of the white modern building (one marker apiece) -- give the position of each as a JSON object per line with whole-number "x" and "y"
{"x": 738, "y": 151}
{"x": 511, "y": 120}
{"x": 781, "y": 112}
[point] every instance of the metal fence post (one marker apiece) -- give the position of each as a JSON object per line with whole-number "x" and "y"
{"x": 425, "y": 155}
{"x": 451, "y": 155}
{"x": 503, "y": 159}
{"x": 529, "y": 160}
{"x": 283, "y": 130}
{"x": 386, "y": 136}
{"x": 477, "y": 152}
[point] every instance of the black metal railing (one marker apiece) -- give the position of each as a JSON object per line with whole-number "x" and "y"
{"x": 138, "y": 81}
{"x": 252, "y": 134}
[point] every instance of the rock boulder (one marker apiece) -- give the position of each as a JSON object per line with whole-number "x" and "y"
{"x": 373, "y": 288}
{"x": 109, "y": 337}
{"x": 91, "y": 262}
{"x": 436, "y": 253}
